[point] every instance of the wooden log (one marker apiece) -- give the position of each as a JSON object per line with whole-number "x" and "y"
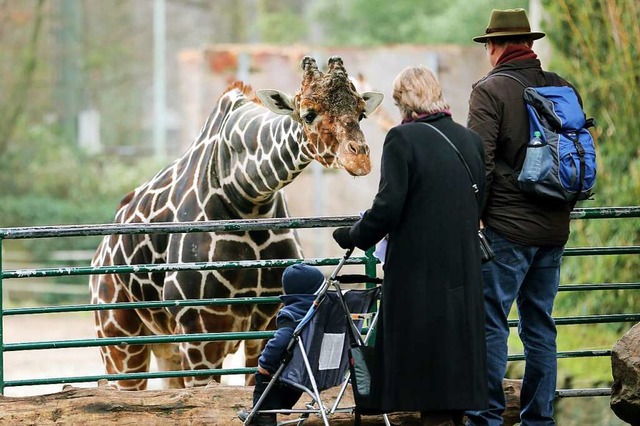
{"x": 213, "y": 405}
{"x": 511, "y": 389}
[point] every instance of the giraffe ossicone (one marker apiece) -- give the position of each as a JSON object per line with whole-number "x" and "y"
{"x": 326, "y": 102}
{"x": 235, "y": 169}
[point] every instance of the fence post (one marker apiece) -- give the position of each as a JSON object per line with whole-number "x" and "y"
{"x": 370, "y": 265}
{"x": 1, "y": 322}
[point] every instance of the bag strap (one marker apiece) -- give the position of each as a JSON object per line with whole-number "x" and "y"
{"x": 550, "y": 78}
{"x": 466, "y": 166}
{"x": 513, "y": 77}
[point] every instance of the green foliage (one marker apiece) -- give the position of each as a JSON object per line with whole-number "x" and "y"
{"x": 44, "y": 181}
{"x": 574, "y": 372}
{"x": 595, "y": 42}
{"x": 17, "y": 78}
{"x": 34, "y": 210}
{"x": 41, "y": 163}
{"x": 586, "y": 411}
{"x": 595, "y": 46}
{"x": 372, "y": 22}
{"x": 281, "y": 22}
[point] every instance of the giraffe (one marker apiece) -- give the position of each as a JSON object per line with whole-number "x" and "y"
{"x": 246, "y": 152}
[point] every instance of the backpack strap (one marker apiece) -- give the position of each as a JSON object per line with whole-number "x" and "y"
{"x": 551, "y": 79}
{"x": 511, "y": 76}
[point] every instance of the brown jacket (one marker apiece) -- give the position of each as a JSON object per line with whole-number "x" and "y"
{"x": 498, "y": 114}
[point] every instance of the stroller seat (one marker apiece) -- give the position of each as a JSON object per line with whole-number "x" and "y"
{"x": 317, "y": 355}
{"x": 325, "y": 341}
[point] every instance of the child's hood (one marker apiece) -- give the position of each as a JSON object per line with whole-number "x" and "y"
{"x": 295, "y": 306}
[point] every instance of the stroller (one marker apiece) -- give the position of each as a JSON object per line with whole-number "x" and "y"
{"x": 319, "y": 354}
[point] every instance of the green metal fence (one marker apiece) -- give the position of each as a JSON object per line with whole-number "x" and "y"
{"x": 368, "y": 261}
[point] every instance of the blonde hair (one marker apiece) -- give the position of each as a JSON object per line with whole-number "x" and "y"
{"x": 416, "y": 91}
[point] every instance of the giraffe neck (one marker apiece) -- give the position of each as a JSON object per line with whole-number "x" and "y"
{"x": 259, "y": 153}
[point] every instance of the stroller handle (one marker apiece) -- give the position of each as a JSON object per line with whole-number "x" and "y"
{"x": 356, "y": 279}
{"x": 321, "y": 293}
{"x": 346, "y": 256}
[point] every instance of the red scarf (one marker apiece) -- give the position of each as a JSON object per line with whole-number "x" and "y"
{"x": 516, "y": 52}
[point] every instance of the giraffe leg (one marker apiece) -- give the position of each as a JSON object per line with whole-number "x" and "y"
{"x": 205, "y": 355}
{"x": 169, "y": 359}
{"x": 120, "y": 323}
{"x": 122, "y": 359}
{"x": 200, "y": 352}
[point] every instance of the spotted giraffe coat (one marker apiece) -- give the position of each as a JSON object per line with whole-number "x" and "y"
{"x": 236, "y": 168}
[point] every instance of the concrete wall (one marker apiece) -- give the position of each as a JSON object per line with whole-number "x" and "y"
{"x": 205, "y": 73}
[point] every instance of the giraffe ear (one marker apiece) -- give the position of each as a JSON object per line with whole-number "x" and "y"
{"x": 276, "y": 101}
{"x": 372, "y": 101}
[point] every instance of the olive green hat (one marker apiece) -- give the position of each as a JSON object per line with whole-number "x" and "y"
{"x": 508, "y": 23}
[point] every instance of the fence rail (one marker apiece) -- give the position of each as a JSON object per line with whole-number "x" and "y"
{"x": 368, "y": 261}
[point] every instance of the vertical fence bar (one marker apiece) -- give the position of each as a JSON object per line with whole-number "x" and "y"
{"x": 1, "y": 322}
{"x": 370, "y": 265}
{"x": 371, "y": 271}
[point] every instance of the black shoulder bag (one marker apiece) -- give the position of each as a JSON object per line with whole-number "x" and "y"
{"x": 485, "y": 247}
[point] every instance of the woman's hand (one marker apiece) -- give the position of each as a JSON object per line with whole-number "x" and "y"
{"x": 342, "y": 237}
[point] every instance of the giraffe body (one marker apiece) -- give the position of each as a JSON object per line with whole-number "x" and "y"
{"x": 245, "y": 154}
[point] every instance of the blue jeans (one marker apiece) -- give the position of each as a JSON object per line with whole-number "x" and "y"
{"x": 530, "y": 276}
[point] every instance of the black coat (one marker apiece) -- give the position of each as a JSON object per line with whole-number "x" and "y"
{"x": 430, "y": 343}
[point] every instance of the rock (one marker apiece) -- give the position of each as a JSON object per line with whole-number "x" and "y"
{"x": 625, "y": 367}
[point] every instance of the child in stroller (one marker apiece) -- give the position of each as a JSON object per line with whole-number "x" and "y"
{"x": 300, "y": 282}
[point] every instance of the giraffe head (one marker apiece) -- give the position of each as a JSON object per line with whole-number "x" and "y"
{"x": 329, "y": 109}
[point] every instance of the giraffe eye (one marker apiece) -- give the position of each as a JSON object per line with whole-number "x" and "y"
{"x": 309, "y": 117}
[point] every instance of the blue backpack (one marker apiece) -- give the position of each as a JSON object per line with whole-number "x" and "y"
{"x": 560, "y": 161}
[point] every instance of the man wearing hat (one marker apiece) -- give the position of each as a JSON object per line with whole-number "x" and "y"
{"x": 527, "y": 234}
{"x": 300, "y": 282}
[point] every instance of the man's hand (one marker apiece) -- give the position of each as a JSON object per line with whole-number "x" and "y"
{"x": 263, "y": 371}
{"x": 342, "y": 237}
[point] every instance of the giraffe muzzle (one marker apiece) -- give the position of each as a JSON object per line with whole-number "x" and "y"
{"x": 356, "y": 148}
{"x": 355, "y": 158}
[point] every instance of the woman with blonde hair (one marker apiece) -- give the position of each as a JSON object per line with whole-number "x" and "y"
{"x": 416, "y": 93}
{"x": 430, "y": 342}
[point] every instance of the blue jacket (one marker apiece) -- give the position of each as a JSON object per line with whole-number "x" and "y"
{"x": 294, "y": 309}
